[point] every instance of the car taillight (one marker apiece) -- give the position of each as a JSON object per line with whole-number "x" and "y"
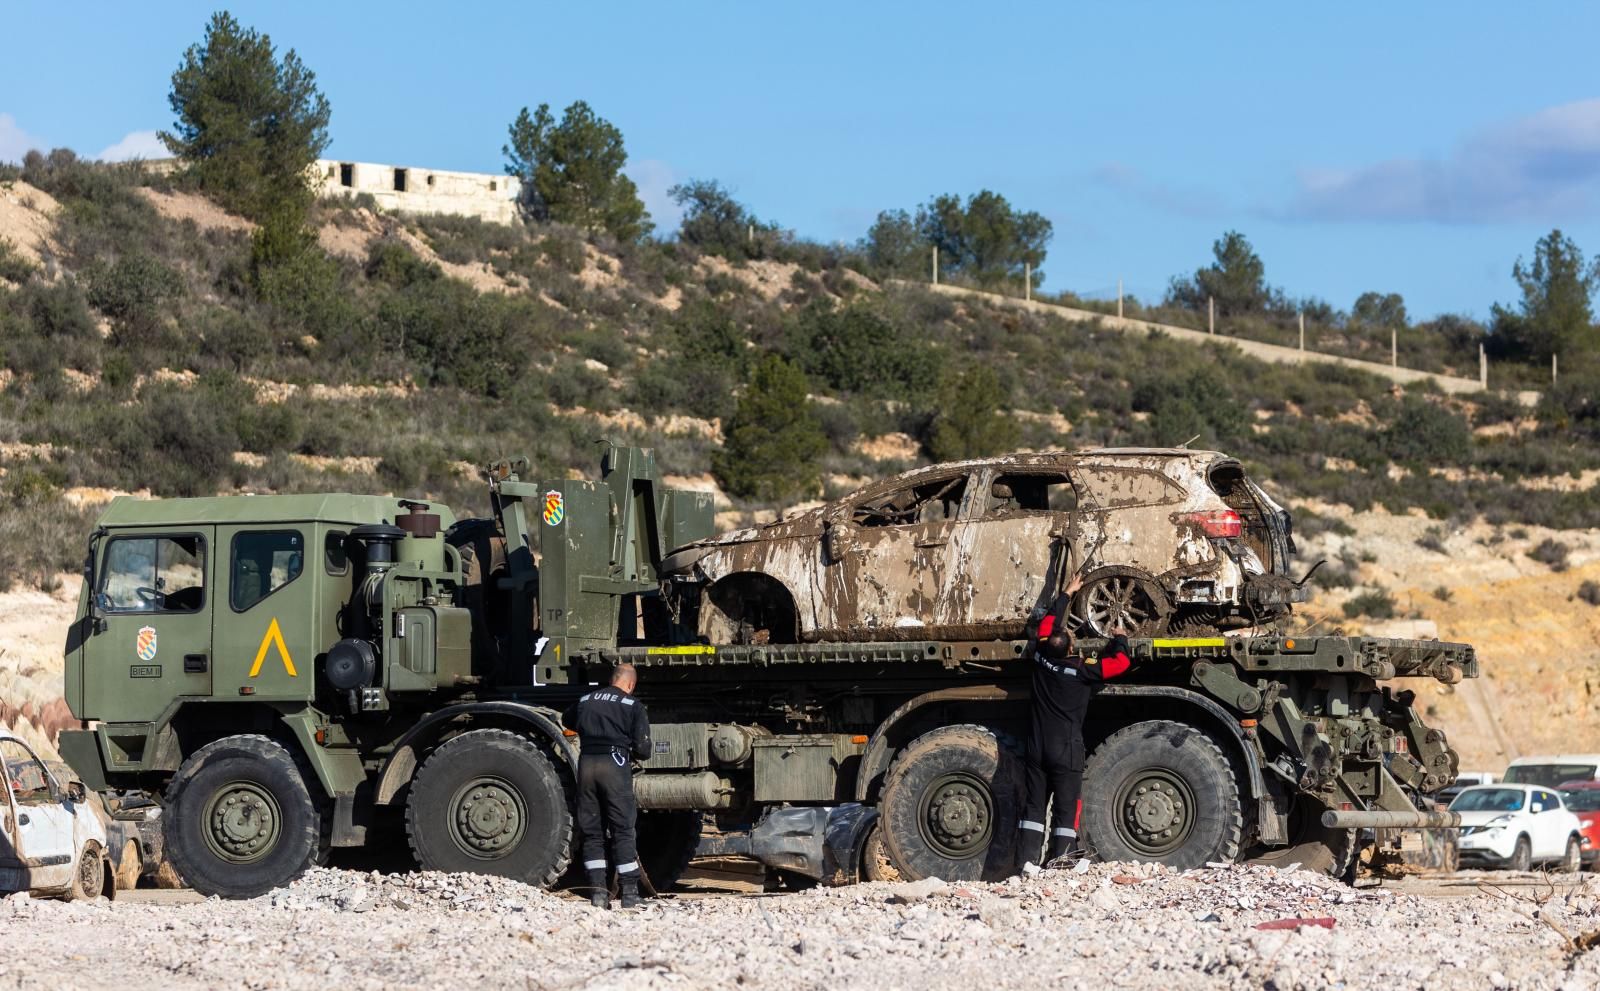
{"x": 1216, "y": 522}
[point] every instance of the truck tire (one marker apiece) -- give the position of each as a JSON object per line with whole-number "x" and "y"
{"x": 1312, "y": 845}
{"x": 949, "y": 807}
{"x": 667, "y": 842}
{"x": 491, "y": 802}
{"x": 1162, "y": 791}
{"x": 239, "y": 819}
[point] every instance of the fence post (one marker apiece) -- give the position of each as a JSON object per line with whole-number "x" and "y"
{"x": 1119, "y": 299}
{"x": 1553, "y": 369}
{"x": 1394, "y": 348}
{"x": 936, "y": 264}
{"x": 1211, "y": 310}
{"x": 1027, "y": 280}
{"x": 1483, "y": 367}
{"x": 1302, "y": 330}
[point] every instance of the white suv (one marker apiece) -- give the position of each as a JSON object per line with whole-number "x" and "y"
{"x": 1517, "y": 826}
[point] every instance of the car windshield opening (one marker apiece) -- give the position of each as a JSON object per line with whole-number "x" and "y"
{"x": 1549, "y": 775}
{"x": 1489, "y": 800}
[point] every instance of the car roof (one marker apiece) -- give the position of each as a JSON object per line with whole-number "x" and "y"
{"x": 1558, "y": 759}
{"x": 127, "y": 511}
{"x": 1037, "y": 459}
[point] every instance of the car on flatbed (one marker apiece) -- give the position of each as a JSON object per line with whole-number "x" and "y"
{"x": 1166, "y": 540}
{"x": 1516, "y": 826}
{"x": 52, "y": 842}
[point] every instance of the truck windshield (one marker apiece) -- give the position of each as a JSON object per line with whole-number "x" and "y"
{"x": 1489, "y": 800}
{"x": 1583, "y": 799}
{"x": 1549, "y": 775}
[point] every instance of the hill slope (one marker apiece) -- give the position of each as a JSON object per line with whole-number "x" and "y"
{"x": 143, "y": 354}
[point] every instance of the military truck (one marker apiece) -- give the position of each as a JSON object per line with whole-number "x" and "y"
{"x": 290, "y": 674}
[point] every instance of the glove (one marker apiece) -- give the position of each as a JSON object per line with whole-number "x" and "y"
{"x": 1119, "y": 642}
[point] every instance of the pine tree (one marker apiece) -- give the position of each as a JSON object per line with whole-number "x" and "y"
{"x": 774, "y": 441}
{"x": 571, "y": 172}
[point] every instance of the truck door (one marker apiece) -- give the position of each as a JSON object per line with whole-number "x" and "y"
{"x": 43, "y": 825}
{"x": 268, "y": 627}
{"x": 154, "y": 596}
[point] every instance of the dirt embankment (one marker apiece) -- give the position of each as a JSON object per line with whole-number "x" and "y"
{"x": 1537, "y": 640}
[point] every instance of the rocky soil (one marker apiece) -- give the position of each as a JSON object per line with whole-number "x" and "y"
{"x": 1089, "y": 926}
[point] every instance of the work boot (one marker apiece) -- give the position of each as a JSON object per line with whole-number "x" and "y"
{"x": 629, "y": 884}
{"x": 1027, "y": 851}
{"x": 599, "y": 892}
{"x": 1063, "y": 848}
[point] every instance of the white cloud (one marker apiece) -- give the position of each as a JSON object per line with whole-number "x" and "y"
{"x": 1543, "y": 166}
{"x": 137, "y": 144}
{"x": 654, "y": 178}
{"x": 15, "y": 142}
{"x": 1183, "y": 201}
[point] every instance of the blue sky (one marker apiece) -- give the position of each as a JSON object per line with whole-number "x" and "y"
{"x": 1417, "y": 148}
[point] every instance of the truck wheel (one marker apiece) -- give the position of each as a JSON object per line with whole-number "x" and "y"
{"x": 89, "y": 879}
{"x": 1162, "y": 791}
{"x": 491, "y": 802}
{"x": 1521, "y": 855}
{"x": 239, "y": 820}
{"x": 667, "y": 842}
{"x": 1312, "y": 845}
{"x": 949, "y": 806}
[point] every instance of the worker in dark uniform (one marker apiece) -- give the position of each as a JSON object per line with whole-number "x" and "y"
{"x": 613, "y": 731}
{"x": 1063, "y": 682}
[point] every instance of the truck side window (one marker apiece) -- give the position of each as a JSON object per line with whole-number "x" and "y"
{"x": 263, "y": 562}
{"x": 334, "y": 558}
{"x": 24, "y": 774}
{"x": 154, "y": 574}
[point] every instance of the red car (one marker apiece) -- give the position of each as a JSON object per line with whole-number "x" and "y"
{"x": 1583, "y": 800}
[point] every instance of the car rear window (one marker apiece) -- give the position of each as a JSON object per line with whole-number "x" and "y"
{"x": 1489, "y": 800}
{"x": 1549, "y": 775}
{"x": 1583, "y": 800}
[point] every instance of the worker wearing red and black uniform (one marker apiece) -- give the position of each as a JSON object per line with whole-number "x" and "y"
{"x": 613, "y": 731}
{"x": 1063, "y": 682}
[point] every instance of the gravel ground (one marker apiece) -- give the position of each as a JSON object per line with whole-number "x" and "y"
{"x": 1089, "y": 926}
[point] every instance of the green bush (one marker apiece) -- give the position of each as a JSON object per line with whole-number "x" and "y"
{"x": 774, "y": 443}
{"x": 1374, "y": 603}
{"x": 856, "y": 350}
{"x": 970, "y": 422}
{"x": 1551, "y": 552}
{"x": 1427, "y": 433}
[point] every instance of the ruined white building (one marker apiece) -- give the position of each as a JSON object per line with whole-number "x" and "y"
{"x": 407, "y": 189}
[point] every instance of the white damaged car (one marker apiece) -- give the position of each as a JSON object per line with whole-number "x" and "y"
{"x": 1516, "y": 826}
{"x": 52, "y": 842}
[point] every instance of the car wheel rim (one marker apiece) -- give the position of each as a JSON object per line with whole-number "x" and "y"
{"x": 957, "y": 816}
{"x": 1155, "y": 811}
{"x": 1117, "y": 602}
{"x": 242, "y": 822}
{"x": 487, "y": 818}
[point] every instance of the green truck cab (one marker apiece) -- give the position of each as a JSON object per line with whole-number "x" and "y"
{"x": 293, "y": 673}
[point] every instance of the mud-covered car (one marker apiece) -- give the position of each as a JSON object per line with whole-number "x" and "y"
{"x": 1167, "y": 540}
{"x": 52, "y": 841}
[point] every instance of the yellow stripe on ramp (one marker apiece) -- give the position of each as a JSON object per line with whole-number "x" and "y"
{"x": 1191, "y": 642}
{"x": 700, "y": 649}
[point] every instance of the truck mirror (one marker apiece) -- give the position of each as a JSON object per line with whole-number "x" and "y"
{"x": 76, "y": 792}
